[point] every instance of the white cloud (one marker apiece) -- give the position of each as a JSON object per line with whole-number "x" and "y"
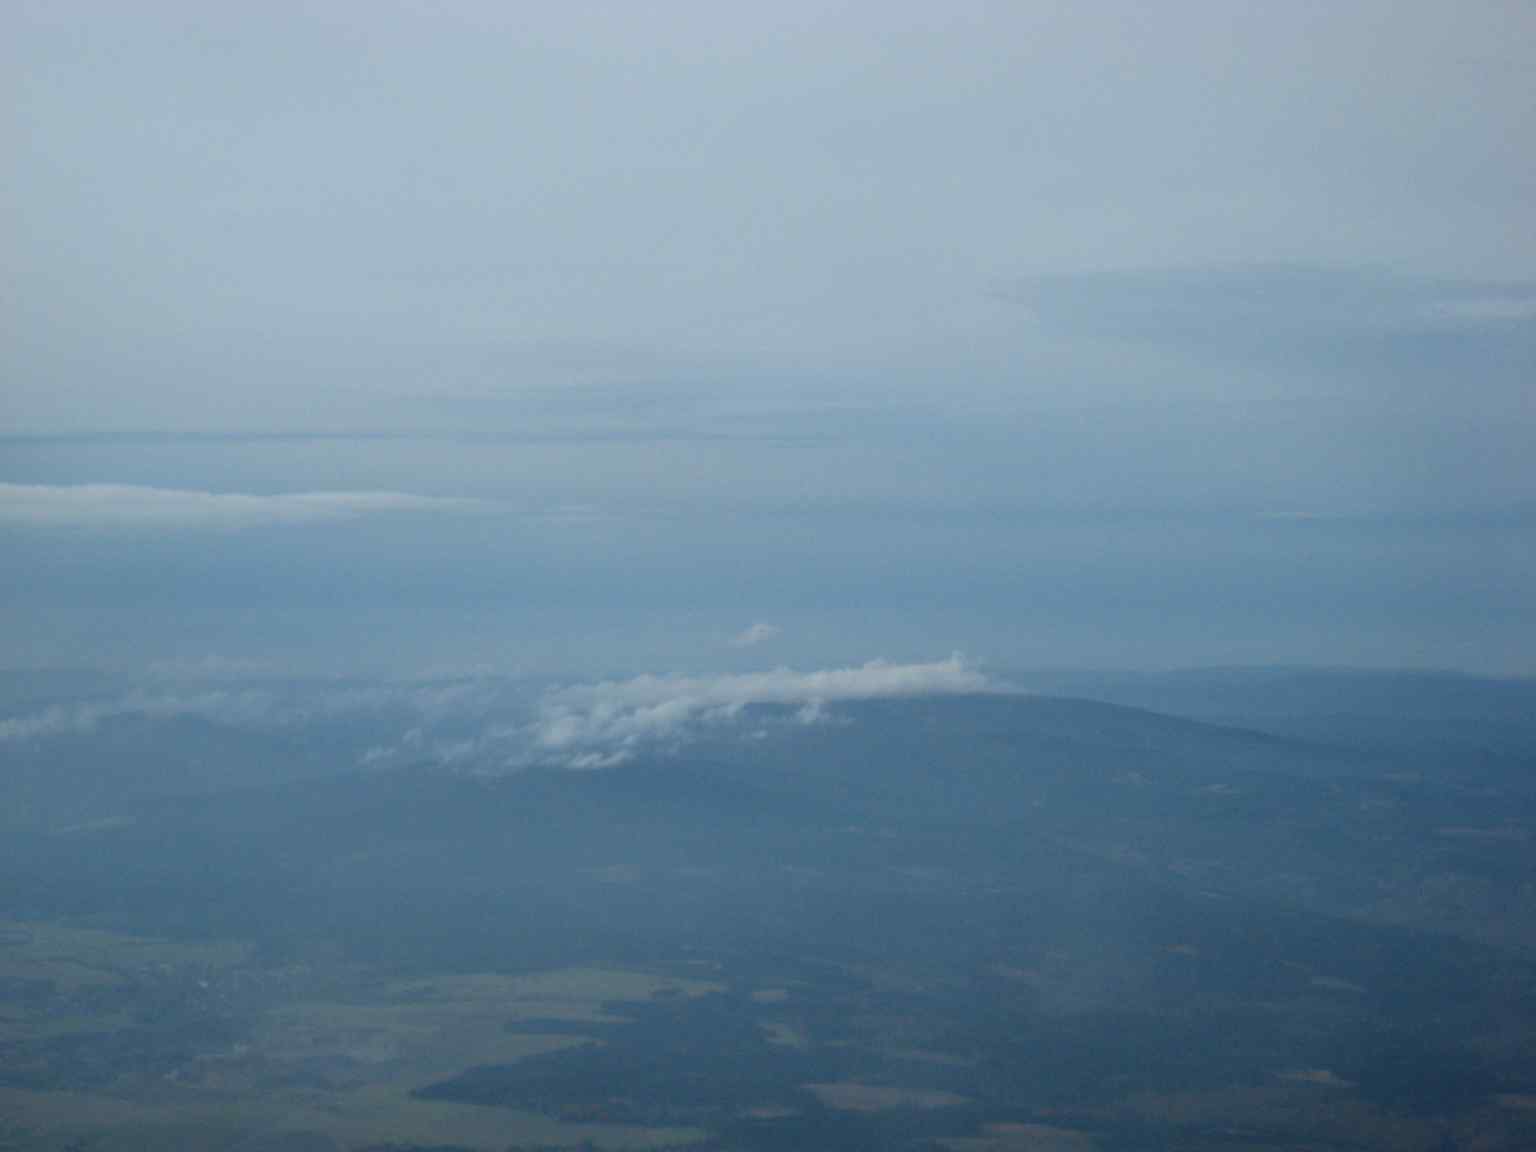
{"x": 754, "y": 635}
{"x": 599, "y": 724}
{"x": 131, "y": 506}
{"x": 491, "y": 724}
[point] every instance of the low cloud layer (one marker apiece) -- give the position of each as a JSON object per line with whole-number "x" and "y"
{"x": 222, "y": 697}
{"x": 239, "y": 707}
{"x": 494, "y": 724}
{"x": 130, "y": 506}
{"x": 596, "y": 725}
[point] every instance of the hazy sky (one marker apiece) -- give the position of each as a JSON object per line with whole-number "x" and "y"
{"x": 1064, "y": 333}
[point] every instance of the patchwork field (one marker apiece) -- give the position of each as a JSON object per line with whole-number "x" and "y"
{"x": 968, "y": 925}
{"x": 294, "y": 1064}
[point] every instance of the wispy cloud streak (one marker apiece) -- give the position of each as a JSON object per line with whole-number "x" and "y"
{"x": 132, "y": 506}
{"x": 756, "y": 634}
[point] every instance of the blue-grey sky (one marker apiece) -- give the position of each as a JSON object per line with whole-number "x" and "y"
{"x": 591, "y": 336}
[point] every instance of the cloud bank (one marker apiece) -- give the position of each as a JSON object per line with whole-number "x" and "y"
{"x": 597, "y": 725}
{"x": 131, "y": 506}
